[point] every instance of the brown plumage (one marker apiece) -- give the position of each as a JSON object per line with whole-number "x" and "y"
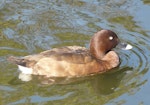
{"x": 74, "y": 60}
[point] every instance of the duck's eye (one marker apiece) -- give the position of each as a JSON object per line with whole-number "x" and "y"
{"x": 111, "y": 38}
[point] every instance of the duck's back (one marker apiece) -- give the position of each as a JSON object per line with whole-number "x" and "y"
{"x": 59, "y": 62}
{"x": 71, "y": 54}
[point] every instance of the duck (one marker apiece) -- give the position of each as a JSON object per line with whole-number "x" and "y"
{"x": 74, "y": 61}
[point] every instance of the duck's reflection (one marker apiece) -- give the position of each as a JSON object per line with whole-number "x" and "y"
{"x": 107, "y": 83}
{"x": 103, "y": 84}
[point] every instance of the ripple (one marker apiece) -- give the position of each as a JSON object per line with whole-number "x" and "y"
{"x": 137, "y": 58}
{"x": 40, "y": 99}
{"x": 134, "y": 63}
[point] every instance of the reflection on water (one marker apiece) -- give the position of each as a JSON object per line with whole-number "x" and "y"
{"x": 28, "y": 27}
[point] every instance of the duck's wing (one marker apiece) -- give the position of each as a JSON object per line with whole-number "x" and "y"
{"x": 71, "y": 54}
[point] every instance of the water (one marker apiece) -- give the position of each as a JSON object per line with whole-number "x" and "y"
{"x": 28, "y": 27}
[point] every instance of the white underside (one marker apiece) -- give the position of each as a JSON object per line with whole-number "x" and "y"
{"x": 25, "y": 70}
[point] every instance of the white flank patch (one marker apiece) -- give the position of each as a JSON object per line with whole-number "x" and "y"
{"x": 25, "y": 70}
{"x": 128, "y": 47}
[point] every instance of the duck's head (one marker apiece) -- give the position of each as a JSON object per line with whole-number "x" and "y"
{"x": 102, "y": 42}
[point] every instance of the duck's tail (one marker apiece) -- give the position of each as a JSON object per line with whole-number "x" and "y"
{"x": 17, "y": 61}
{"x": 22, "y": 64}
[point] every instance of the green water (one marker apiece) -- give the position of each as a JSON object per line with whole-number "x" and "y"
{"x": 31, "y": 26}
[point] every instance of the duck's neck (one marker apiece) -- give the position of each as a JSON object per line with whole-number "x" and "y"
{"x": 96, "y": 52}
{"x": 98, "y": 55}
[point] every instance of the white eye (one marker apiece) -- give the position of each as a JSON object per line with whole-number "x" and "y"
{"x": 111, "y": 38}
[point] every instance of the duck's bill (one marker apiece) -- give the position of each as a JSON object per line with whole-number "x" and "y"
{"x": 125, "y": 46}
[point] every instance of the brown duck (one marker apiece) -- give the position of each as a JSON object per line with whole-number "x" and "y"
{"x": 71, "y": 61}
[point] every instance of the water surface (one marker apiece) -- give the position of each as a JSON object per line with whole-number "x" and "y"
{"x": 28, "y": 27}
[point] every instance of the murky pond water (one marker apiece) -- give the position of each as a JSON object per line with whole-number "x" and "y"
{"x": 31, "y": 26}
